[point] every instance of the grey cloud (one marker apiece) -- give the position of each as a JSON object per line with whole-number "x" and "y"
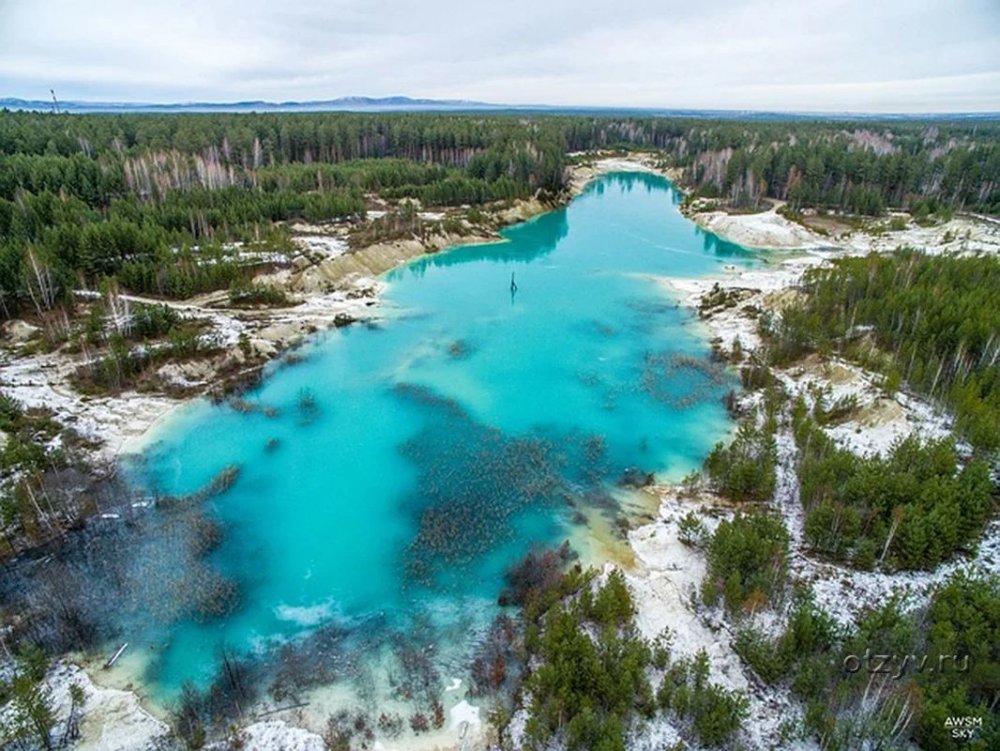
{"x": 905, "y": 55}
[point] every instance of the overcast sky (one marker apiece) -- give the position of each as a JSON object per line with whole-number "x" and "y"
{"x": 859, "y": 55}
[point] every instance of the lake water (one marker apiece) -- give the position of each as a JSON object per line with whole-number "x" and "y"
{"x": 406, "y": 464}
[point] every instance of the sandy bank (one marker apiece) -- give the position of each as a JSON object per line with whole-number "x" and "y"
{"x": 593, "y": 166}
{"x": 767, "y": 230}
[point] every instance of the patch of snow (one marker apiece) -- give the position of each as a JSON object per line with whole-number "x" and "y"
{"x": 656, "y": 735}
{"x": 327, "y": 246}
{"x": 43, "y": 381}
{"x": 959, "y": 236}
{"x": 517, "y": 728}
{"x": 109, "y": 719}
{"x": 665, "y": 589}
{"x": 845, "y": 592}
{"x": 464, "y": 713}
{"x": 273, "y": 735}
{"x": 879, "y": 421}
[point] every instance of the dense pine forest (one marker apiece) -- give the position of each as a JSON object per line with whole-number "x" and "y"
{"x": 143, "y": 197}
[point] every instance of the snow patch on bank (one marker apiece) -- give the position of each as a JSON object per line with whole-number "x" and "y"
{"x": 767, "y": 230}
{"x": 879, "y": 421}
{"x": 271, "y": 735}
{"x": 109, "y": 719}
{"x": 118, "y": 422}
{"x": 665, "y": 586}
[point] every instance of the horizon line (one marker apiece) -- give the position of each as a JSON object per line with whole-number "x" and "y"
{"x": 405, "y": 101}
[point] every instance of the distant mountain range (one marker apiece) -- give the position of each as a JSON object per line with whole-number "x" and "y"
{"x": 409, "y": 104}
{"x": 347, "y": 103}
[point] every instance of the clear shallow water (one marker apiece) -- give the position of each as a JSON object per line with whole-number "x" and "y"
{"x": 418, "y": 458}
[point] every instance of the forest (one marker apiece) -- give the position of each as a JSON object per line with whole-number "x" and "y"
{"x": 592, "y": 680}
{"x": 143, "y": 198}
{"x": 923, "y": 323}
{"x": 941, "y": 661}
{"x": 927, "y": 322}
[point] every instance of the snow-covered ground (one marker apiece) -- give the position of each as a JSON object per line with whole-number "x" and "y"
{"x": 271, "y": 735}
{"x": 109, "y": 719}
{"x": 766, "y": 230}
{"x": 879, "y": 421}
{"x": 963, "y": 234}
{"x": 769, "y": 230}
{"x": 668, "y": 572}
{"x": 43, "y": 379}
{"x": 325, "y": 246}
{"x": 665, "y": 585}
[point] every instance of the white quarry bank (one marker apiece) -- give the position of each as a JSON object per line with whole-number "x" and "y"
{"x": 110, "y": 719}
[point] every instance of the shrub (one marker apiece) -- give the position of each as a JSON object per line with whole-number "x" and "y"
{"x": 747, "y": 562}
{"x": 715, "y": 713}
{"x": 591, "y": 678}
{"x": 691, "y": 529}
{"x": 745, "y": 469}
{"x": 257, "y": 294}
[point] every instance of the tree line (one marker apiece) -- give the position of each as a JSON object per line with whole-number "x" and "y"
{"x": 141, "y": 199}
{"x": 170, "y": 182}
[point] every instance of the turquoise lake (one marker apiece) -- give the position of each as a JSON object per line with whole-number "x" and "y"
{"x": 408, "y": 463}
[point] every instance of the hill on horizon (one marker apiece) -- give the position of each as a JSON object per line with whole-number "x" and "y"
{"x": 411, "y": 104}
